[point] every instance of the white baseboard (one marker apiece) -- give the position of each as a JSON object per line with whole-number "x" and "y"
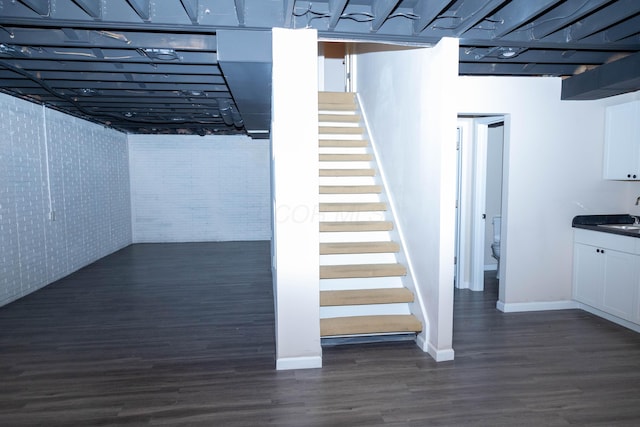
{"x": 633, "y": 326}
{"x": 516, "y": 307}
{"x": 464, "y": 285}
{"x": 287, "y": 363}
{"x": 440, "y": 355}
{"x": 422, "y": 343}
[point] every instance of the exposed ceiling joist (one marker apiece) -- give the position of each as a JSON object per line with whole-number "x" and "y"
{"x": 240, "y": 11}
{"x": 563, "y": 15}
{"x": 515, "y": 15}
{"x": 287, "y": 10}
{"x": 619, "y": 32}
{"x": 427, "y": 11}
{"x": 154, "y": 61}
{"x": 41, "y": 7}
{"x": 336, "y": 7}
{"x": 191, "y": 9}
{"x": 604, "y": 18}
{"x": 93, "y": 8}
{"x": 381, "y": 10}
{"x": 477, "y": 16}
{"x": 142, "y": 8}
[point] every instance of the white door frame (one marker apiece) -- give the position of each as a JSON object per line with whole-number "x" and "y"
{"x": 478, "y": 217}
{"x": 464, "y": 144}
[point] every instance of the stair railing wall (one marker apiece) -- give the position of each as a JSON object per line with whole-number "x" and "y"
{"x": 418, "y": 307}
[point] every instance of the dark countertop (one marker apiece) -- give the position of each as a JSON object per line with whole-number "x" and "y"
{"x": 593, "y": 222}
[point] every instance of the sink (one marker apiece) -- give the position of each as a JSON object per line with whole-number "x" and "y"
{"x": 624, "y": 227}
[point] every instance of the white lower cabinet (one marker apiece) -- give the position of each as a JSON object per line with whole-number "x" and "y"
{"x": 588, "y": 274}
{"x": 621, "y": 283}
{"x": 606, "y": 273}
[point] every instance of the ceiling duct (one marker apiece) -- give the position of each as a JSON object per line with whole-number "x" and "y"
{"x": 614, "y": 78}
{"x": 245, "y": 60}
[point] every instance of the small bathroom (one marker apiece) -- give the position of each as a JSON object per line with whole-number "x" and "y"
{"x": 493, "y": 207}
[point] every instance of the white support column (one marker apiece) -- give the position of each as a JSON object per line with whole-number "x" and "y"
{"x": 294, "y": 132}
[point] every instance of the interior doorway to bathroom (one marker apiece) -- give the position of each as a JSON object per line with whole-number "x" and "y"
{"x": 481, "y": 175}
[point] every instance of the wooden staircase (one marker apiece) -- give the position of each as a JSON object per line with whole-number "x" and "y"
{"x": 361, "y": 280}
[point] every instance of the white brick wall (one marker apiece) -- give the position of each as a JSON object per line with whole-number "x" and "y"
{"x": 80, "y": 170}
{"x": 192, "y": 188}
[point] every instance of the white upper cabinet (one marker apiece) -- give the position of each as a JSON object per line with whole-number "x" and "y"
{"x": 622, "y": 142}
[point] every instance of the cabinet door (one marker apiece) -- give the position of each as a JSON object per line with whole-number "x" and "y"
{"x": 588, "y": 275}
{"x": 621, "y": 284}
{"x": 622, "y": 142}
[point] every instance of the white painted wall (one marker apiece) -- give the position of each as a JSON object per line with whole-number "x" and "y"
{"x": 406, "y": 95}
{"x": 52, "y": 162}
{"x": 554, "y": 152}
{"x": 188, "y": 188}
{"x": 294, "y": 131}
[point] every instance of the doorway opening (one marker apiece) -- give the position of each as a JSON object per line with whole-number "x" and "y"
{"x": 480, "y": 209}
{"x": 333, "y": 73}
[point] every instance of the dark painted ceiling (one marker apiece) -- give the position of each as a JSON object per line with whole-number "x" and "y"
{"x": 203, "y": 66}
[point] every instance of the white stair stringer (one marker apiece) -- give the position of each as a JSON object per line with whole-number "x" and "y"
{"x": 350, "y": 152}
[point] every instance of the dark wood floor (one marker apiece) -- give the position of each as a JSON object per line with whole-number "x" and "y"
{"x": 182, "y": 334}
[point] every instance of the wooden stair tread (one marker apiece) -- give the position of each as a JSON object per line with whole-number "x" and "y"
{"x": 337, "y": 107}
{"x": 353, "y": 207}
{"x": 333, "y": 97}
{"x": 347, "y": 172}
{"x": 365, "y": 296}
{"x": 360, "y": 325}
{"x": 351, "y": 130}
{"x": 347, "y": 118}
{"x": 349, "y": 271}
{"x": 358, "y": 247}
{"x": 355, "y": 226}
{"x": 365, "y": 157}
{"x": 350, "y": 189}
{"x": 343, "y": 143}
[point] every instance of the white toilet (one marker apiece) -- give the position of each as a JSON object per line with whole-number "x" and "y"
{"x": 495, "y": 246}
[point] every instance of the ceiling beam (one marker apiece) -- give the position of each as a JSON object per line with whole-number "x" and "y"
{"x": 107, "y": 67}
{"x": 381, "y": 10}
{"x": 107, "y": 39}
{"x": 516, "y": 69}
{"x": 478, "y": 16}
{"x": 288, "y": 12}
{"x": 427, "y": 10}
{"x": 240, "y": 11}
{"x": 517, "y": 14}
{"x": 141, "y": 8}
{"x": 126, "y": 85}
{"x": 52, "y": 76}
{"x": 562, "y": 16}
{"x": 191, "y": 9}
{"x": 70, "y": 57}
{"x": 604, "y": 18}
{"x": 93, "y": 8}
{"x": 41, "y": 7}
{"x": 336, "y": 7}
{"x": 628, "y": 28}
{"x": 551, "y": 56}
{"x": 615, "y": 78}
{"x": 136, "y": 99}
